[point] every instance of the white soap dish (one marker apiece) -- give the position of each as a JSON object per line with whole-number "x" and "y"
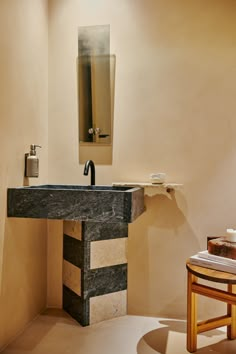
{"x": 157, "y": 178}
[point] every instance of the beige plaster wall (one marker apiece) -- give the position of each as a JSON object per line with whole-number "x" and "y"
{"x": 64, "y": 20}
{"x": 174, "y": 113}
{"x": 23, "y": 121}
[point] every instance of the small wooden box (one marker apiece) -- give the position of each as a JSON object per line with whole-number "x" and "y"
{"x": 220, "y": 247}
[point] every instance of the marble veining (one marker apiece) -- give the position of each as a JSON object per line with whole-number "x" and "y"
{"x": 92, "y": 231}
{"x": 76, "y": 306}
{"x": 102, "y": 214}
{"x": 94, "y": 266}
{"x": 105, "y": 280}
{"x": 76, "y": 252}
{"x": 99, "y": 204}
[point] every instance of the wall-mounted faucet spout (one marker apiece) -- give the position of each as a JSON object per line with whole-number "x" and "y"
{"x": 90, "y": 163}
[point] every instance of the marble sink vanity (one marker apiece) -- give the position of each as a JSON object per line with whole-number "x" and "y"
{"x": 76, "y": 202}
{"x": 95, "y": 231}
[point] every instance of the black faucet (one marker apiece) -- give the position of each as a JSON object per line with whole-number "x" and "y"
{"x": 90, "y": 163}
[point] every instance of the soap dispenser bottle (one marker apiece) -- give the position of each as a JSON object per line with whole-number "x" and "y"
{"x": 32, "y": 162}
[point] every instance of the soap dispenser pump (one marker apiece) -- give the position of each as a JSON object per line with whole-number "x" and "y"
{"x": 32, "y": 162}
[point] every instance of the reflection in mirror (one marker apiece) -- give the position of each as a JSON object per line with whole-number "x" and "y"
{"x": 96, "y": 78}
{"x": 96, "y": 90}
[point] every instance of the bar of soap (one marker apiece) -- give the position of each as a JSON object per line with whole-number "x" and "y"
{"x": 222, "y": 247}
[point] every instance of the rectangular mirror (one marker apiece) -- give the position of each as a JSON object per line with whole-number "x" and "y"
{"x": 96, "y": 84}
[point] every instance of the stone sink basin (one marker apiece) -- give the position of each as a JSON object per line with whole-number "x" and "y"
{"x": 76, "y": 202}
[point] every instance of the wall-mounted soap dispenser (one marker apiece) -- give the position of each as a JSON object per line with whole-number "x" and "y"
{"x": 32, "y": 162}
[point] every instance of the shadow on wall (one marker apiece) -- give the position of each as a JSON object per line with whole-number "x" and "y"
{"x": 171, "y": 339}
{"x": 4, "y": 220}
{"x": 164, "y": 218}
{"x": 23, "y": 274}
{"x": 159, "y": 243}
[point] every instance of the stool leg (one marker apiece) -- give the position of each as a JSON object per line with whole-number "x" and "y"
{"x": 231, "y": 311}
{"x": 191, "y": 315}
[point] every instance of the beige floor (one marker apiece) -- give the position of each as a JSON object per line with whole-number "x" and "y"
{"x": 56, "y": 332}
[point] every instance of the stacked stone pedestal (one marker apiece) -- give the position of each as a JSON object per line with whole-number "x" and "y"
{"x": 94, "y": 270}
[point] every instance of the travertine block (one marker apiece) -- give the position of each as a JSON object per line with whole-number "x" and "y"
{"x": 73, "y": 229}
{"x": 108, "y": 252}
{"x": 108, "y": 306}
{"x": 72, "y": 277}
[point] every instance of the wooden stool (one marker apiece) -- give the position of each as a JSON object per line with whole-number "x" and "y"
{"x": 193, "y": 326}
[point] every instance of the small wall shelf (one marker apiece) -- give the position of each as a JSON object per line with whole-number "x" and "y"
{"x": 151, "y": 189}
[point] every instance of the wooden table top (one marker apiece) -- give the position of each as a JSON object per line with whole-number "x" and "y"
{"x": 211, "y": 274}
